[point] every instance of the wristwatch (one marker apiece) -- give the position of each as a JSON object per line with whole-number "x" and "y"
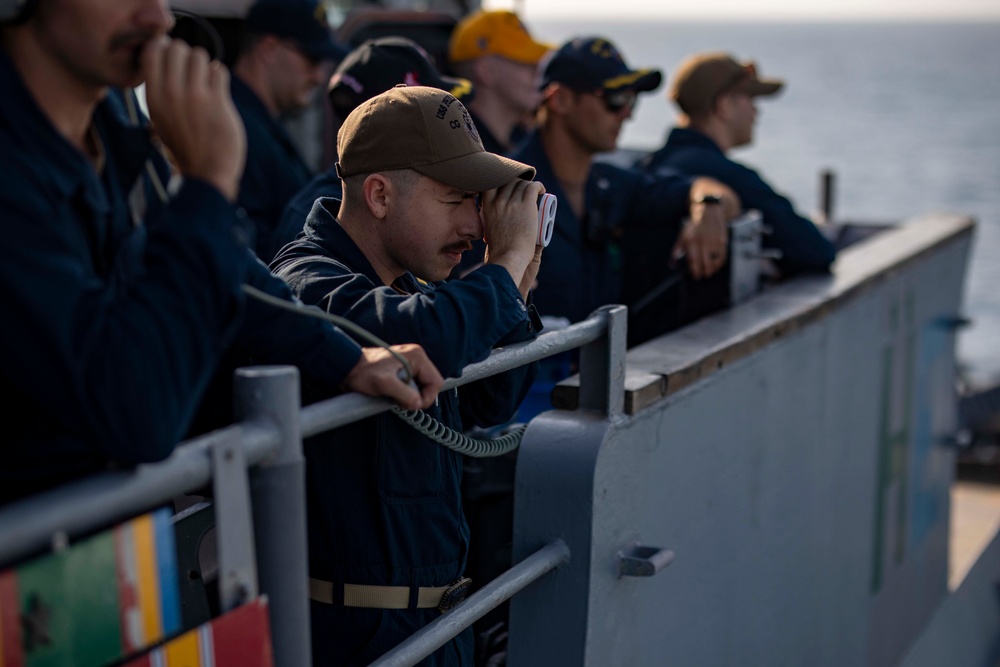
{"x": 709, "y": 199}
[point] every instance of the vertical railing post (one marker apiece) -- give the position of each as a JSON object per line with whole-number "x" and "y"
{"x": 602, "y": 364}
{"x": 277, "y": 488}
{"x": 827, "y": 184}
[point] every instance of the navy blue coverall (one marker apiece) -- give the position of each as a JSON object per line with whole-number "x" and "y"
{"x": 384, "y": 501}
{"x": 324, "y": 184}
{"x": 584, "y": 263}
{"x": 115, "y": 307}
{"x": 802, "y": 245}
{"x": 274, "y": 172}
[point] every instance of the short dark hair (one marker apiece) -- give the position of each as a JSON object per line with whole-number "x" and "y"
{"x": 403, "y": 179}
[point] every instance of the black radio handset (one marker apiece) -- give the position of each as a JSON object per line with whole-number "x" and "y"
{"x": 154, "y": 177}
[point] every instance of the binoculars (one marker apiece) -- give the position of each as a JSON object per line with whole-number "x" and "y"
{"x": 546, "y": 219}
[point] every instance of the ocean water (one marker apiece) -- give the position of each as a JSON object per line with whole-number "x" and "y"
{"x": 906, "y": 114}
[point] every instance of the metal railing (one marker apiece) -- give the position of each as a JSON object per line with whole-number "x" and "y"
{"x": 257, "y": 472}
{"x": 436, "y": 634}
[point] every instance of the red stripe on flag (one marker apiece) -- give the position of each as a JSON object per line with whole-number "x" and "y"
{"x": 243, "y": 636}
{"x": 11, "y": 650}
{"x": 141, "y": 661}
{"x": 126, "y": 591}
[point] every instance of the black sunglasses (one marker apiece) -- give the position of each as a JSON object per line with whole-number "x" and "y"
{"x": 617, "y": 100}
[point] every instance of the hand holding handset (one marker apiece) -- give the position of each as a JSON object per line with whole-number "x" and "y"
{"x": 193, "y": 114}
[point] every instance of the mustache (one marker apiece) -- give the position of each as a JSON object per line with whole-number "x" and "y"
{"x": 460, "y": 246}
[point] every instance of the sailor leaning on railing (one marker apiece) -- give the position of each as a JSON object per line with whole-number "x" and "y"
{"x": 120, "y": 303}
{"x": 387, "y": 536}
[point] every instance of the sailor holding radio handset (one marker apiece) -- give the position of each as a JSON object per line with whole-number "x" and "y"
{"x": 387, "y": 536}
{"x": 118, "y": 306}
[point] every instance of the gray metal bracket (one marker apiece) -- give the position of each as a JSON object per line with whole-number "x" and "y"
{"x": 191, "y": 527}
{"x": 234, "y": 525}
{"x": 641, "y": 561}
{"x": 745, "y": 235}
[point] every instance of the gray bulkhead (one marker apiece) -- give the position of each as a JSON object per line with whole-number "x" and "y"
{"x": 792, "y": 454}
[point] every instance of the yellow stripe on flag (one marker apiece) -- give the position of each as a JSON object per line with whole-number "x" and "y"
{"x": 149, "y": 580}
{"x": 183, "y": 651}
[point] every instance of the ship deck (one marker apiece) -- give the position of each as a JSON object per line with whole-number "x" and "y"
{"x": 975, "y": 521}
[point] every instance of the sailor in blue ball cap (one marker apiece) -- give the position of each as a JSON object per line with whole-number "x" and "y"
{"x": 588, "y": 93}
{"x": 303, "y": 22}
{"x": 286, "y": 55}
{"x": 592, "y": 63}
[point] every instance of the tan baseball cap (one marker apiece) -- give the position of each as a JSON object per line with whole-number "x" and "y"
{"x": 702, "y": 78}
{"x": 427, "y": 130}
{"x": 494, "y": 33}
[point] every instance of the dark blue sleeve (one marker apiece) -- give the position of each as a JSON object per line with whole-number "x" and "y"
{"x": 803, "y": 246}
{"x": 457, "y": 323}
{"x": 122, "y": 362}
{"x": 272, "y": 335}
{"x": 495, "y": 399}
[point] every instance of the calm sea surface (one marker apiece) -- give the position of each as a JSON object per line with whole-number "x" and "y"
{"x": 907, "y": 115}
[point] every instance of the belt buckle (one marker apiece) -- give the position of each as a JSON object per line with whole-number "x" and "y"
{"x": 454, "y": 595}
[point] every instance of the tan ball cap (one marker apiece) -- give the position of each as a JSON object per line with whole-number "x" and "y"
{"x": 702, "y": 78}
{"x": 427, "y": 130}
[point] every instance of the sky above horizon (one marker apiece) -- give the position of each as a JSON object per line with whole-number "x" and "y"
{"x": 758, "y": 10}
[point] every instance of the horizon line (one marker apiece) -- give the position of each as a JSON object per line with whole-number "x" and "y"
{"x": 758, "y": 18}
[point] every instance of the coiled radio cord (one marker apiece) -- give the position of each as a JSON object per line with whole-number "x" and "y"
{"x": 459, "y": 442}
{"x": 417, "y": 419}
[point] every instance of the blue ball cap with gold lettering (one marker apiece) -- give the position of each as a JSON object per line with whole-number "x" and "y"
{"x": 593, "y": 63}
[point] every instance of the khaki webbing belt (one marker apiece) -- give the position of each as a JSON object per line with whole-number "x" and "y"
{"x": 377, "y": 597}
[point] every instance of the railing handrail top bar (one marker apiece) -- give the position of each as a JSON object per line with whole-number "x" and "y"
{"x": 83, "y": 506}
{"x": 667, "y": 364}
{"x": 340, "y": 410}
{"x": 78, "y": 508}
